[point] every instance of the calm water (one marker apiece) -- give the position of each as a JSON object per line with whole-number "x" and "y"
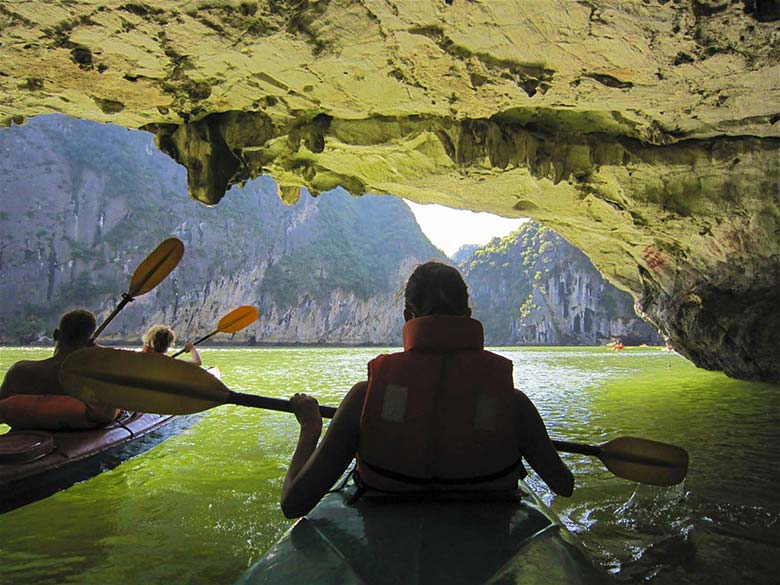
{"x": 201, "y": 507}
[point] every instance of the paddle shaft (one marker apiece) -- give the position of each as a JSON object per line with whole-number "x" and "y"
{"x": 235, "y": 320}
{"x": 204, "y": 338}
{"x": 581, "y": 448}
{"x": 126, "y": 298}
{"x": 279, "y": 404}
{"x": 283, "y": 405}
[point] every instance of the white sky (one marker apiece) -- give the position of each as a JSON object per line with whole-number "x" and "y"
{"x": 449, "y": 229}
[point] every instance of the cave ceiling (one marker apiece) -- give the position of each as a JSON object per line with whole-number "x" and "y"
{"x": 647, "y": 133}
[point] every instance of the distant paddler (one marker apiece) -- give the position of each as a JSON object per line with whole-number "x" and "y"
{"x": 160, "y": 338}
{"x": 32, "y": 397}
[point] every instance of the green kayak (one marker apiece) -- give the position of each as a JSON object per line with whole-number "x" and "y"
{"x": 383, "y": 541}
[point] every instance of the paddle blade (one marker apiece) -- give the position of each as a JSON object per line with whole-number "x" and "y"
{"x": 645, "y": 461}
{"x": 237, "y": 319}
{"x": 157, "y": 265}
{"x": 143, "y": 382}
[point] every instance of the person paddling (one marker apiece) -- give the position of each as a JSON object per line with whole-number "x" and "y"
{"x": 159, "y": 338}
{"x": 442, "y": 415}
{"x": 31, "y": 395}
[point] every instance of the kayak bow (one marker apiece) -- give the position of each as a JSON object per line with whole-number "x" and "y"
{"x": 413, "y": 541}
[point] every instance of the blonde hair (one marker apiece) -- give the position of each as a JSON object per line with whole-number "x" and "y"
{"x": 159, "y": 338}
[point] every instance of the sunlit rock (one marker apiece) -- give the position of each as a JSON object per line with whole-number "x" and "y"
{"x": 646, "y": 133}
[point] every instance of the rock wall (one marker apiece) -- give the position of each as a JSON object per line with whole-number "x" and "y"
{"x": 533, "y": 288}
{"x": 646, "y": 133}
{"x": 82, "y": 204}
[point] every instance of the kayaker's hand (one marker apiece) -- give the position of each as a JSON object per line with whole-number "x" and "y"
{"x": 188, "y": 347}
{"x": 307, "y": 411}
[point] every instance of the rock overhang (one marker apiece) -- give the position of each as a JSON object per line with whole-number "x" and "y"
{"x": 646, "y": 133}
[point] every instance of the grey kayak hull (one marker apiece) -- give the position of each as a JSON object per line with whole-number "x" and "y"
{"x": 414, "y": 542}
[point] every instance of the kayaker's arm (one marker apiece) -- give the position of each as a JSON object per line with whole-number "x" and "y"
{"x": 538, "y": 450}
{"x": 195, "y": 359}
{"x": 313, "y": 470}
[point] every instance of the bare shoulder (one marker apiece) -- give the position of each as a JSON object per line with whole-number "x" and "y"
{"x": 358, "y": 390}
{"x": 31, "y": 376}
{"x": 15, "y": 378}
{"x": 523, "y": 405}
{"x": 21, "y": 369}
{"x": 352, "y": 405}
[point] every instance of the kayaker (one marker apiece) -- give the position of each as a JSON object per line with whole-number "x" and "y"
{"x": 442, "y": 415}
{"x": 40, "y": 378}
{"x": 159, "y": 338}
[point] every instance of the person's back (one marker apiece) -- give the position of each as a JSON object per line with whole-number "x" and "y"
{"x": 42, "y": 376}
{"x": 31, "y": 395}
{"x": 439, "y": 415}
{"x": 397, "y": 427}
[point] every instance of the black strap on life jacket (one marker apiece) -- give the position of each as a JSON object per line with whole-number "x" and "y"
{"x": 450, "y": 481}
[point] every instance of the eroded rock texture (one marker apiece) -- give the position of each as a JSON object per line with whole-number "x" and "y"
{"x": 646, "y": 133}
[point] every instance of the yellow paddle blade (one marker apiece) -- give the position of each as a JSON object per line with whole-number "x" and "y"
{"x": 237, "y": 319}
{"x": 157, "y": 265}
{"x": 645, "y": 461}
{"x": 143, "y": 382}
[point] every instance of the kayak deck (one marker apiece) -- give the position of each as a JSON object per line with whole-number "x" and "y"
{"x": 413, "y": 542}
{"x": 79, "y": 455}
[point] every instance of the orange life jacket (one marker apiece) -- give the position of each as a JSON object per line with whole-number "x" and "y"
{"x": 53, "y": 412}
{"x": 440, "y": 414}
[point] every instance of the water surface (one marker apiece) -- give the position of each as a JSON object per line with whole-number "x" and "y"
{"x": 201, "y": 507}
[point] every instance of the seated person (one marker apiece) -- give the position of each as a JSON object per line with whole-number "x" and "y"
{"x": 159, "y": 338}
{"x": 31, "y": 395}
{"x": 441, "y": 415}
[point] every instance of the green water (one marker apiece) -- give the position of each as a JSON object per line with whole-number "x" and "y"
{"x": 201, "y": 507}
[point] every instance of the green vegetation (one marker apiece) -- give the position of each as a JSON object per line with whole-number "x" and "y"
{"x": 110, "y": 196}
{"x": 533, "y": 287}
{"x": 352, "y": 245}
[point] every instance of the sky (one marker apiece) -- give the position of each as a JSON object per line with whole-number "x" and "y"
{"x": 449, "y": 229}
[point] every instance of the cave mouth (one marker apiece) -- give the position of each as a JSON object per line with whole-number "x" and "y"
{"x": 94, "y": 194}
{"x": 645, "y": 134}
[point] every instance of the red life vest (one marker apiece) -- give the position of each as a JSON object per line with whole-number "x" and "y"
{"x": 53, "y": 412}
{"x": 440, "y": 414}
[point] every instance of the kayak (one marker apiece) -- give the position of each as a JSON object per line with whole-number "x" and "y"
{"x": 402, "y": 540}
{"x": 37, "y": 464}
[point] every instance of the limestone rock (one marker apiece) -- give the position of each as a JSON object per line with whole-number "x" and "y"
{"x": 646, "y": 133}
{"x": 531, "y": 287}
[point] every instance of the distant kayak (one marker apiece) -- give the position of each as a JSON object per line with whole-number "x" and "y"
{"x": 385, "y": 540}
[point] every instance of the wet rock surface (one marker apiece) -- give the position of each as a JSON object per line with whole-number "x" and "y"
{"x": 646, "y": 133}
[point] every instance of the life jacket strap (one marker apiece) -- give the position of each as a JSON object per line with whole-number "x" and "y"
{"x": 477, "y": 479}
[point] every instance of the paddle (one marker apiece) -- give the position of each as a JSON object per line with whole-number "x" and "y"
{"x": 636, "y": 459}
{"x": 155, "y": 383}
{"x": 148, "y": 275}
{"x": 235, "y": 320}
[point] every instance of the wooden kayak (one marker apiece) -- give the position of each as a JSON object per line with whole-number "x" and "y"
{"x": 38, "y": 464}
{"x": 394, "y": 541}
{"x": 73, "y": 456}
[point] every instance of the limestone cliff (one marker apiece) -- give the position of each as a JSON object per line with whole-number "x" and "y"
{"x": 533, "y": 288}
{"x": 644, "y": 132}
{"x": 83, "y": 203}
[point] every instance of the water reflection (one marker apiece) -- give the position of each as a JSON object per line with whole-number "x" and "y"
{"x": 202, "y": 506}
